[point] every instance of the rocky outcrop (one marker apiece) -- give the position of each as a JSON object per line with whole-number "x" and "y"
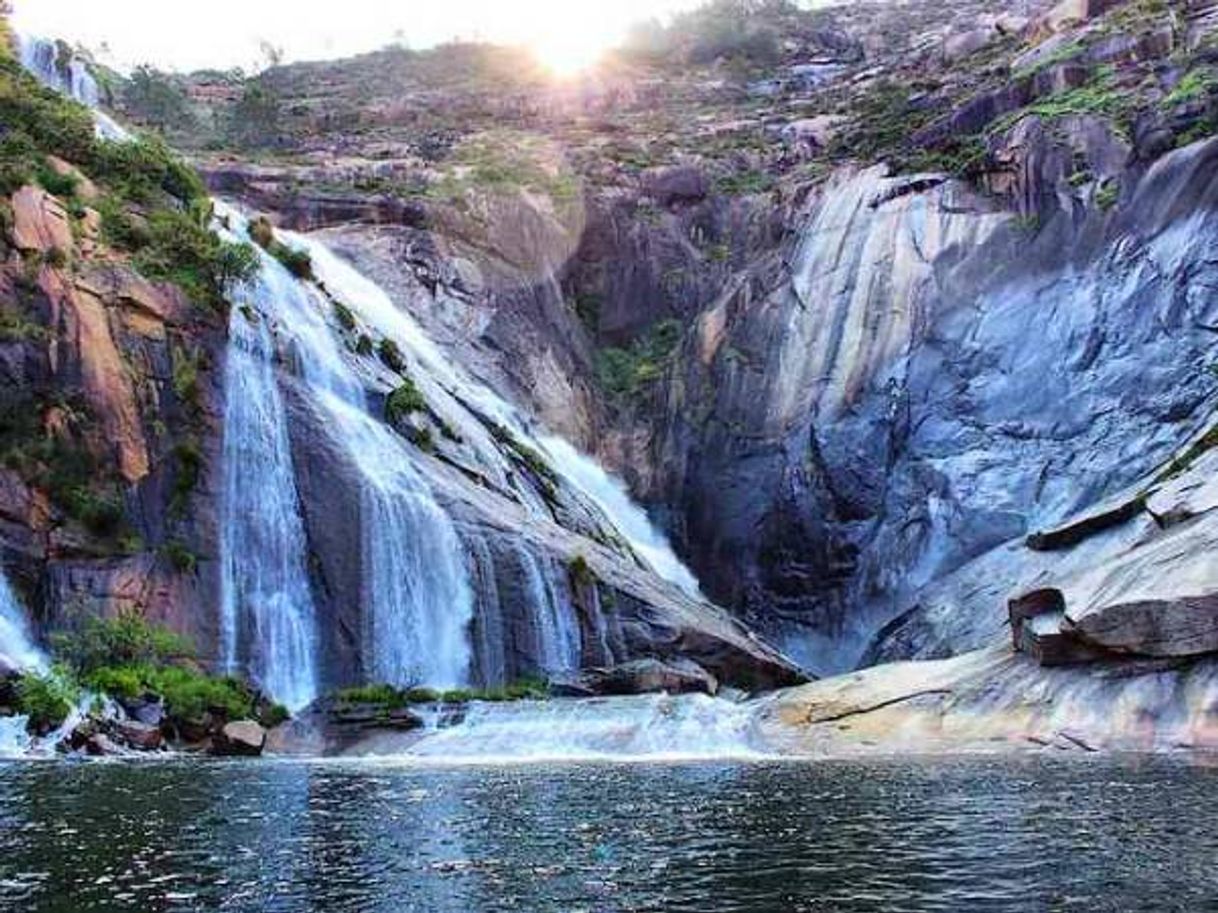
{"x": 998, "y": 701}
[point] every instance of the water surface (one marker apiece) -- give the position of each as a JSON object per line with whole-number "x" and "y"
{"x": 1033, "y": 834}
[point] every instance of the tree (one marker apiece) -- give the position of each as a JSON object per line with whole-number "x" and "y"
{"x": 156, "y": 99}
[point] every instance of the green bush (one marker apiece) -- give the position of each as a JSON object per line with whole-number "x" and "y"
{"x": 623, "y": 372}
{"x": 346, "y": 319}
{"x": 298, "y": 262}
{"x": 46, "y": 698}
{"x": 404, "y": 401}
{"x": 391, "y": 355}
{"x": 382, "y": 695}
{"x": 125, "y": 640}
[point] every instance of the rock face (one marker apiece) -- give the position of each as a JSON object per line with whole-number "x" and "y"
{"x": 997, "y": 701}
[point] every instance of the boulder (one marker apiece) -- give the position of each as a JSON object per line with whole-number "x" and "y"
{"x": 100, "y": 744}
{"x": 648, "y": 676}
{"x": 137, "y": 735}
{"x": 680, "y": 184}
{"x": 243, "y": 738}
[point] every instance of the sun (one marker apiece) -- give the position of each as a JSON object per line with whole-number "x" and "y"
{"x": 569, "y": 51}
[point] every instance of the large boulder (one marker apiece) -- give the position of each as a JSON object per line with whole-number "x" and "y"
{"x": 137, "y": 735}
{"x": 649, "y": 676}
{"x": 243, "y": 738}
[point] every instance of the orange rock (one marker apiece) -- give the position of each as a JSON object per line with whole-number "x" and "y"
{"x": 106, "y": 379}
{"x": 40, "y": 222}
{"x": 85, "y": 189}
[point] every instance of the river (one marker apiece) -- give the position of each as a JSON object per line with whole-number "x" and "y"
{"x": 1044, "y": 833}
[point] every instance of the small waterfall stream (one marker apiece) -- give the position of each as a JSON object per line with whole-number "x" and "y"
{"x": 17, "y": 648}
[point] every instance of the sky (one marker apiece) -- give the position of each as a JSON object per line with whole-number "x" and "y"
{"x": 188, "y": 34}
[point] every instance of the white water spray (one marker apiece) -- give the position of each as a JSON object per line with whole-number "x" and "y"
{"x": 17, "y": 647}
{"x": 657, "y": 727}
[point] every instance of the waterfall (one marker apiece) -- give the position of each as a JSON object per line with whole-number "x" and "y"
{"x": 489, "y": 636}
{"x": 627, "y": 517}
{"x": 584, "y": 474}
{"x": 17, "y": 648}
{"x": 58, "y": 67}
{"x": 553, "y": 616}
{"x": 267, "y": 616}
{"x": 650, "y": 727}
{"x": 416, "y": 597}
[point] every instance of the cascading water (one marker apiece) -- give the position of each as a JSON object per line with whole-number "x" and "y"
{"x": 58, "y": 67}
{"x": 629, "y": 519}
{"x": 656, "y": 727}
{"x": 17, "y": 648}
{"x": 372, "y": 304}
{"x": 553, "y": 617}
{"x": 267, "y": 613}
{"x": 417, "y": 599}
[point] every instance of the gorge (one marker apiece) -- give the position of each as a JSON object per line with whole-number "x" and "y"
{"x": 794, "y": 388}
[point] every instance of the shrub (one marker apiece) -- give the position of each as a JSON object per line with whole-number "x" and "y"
{"x": 382, "y": 695}
{"x": 391, "y": 355}
{"x": 180, "y": 556}
{"x": 345, "y": 318}
{"x": 189, "y": 468}
{"x": 581, "y": 572}
{"x": 46, "y": 698}
{"x": 404, "y": 401}
{"x": 54, "y": 183}
{"x": 125, "y": 640}
{"x": 623, "y": 372}
{"x": 298, "y": 262}
{"x": 363, "y": 345}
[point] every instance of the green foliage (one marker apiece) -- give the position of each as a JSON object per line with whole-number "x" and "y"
{"x": 156, "y": 98}
{"x": 54, "y": 183}
{"x": 46, "y": 698}
{"x": 528, "y": 457}
{"x": 180, "y": 556}
{"x": 172, "y": 246}
{"x": 745, "y": 183}
{"x": 391, "y": 355}
{"x": 346, "y": 319}
{"x": 404, "y": 401}
{"x": 298, "y": 262}
{"x": 623, "y": 372}
{"x": 255, "y": 119}
{"x": 188, "y": 694}
{"x": 581, "y": 572}
{"x": 387, "y": 697}
{"x": 128, "y": 639}
{"x": 189, "y": 458}
{"x": 1108, "y": 195}
{"x": 1195, "y": 85}
{"x": 363, "y": 345}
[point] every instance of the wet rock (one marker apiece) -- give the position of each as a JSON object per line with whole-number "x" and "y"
{"x": 99, "y": 744}
{"x": 243, "y": 738}
{"x": 148, "y": 710}
{"x": 137, "y": 735}
{"x": 647, "y": 676}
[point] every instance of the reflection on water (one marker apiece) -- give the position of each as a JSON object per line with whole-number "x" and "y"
{"x": 948, "y": 835}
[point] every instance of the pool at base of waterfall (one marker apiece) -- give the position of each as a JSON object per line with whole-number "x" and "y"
{"x": 961, "y": 834}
